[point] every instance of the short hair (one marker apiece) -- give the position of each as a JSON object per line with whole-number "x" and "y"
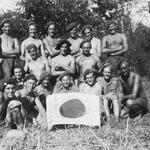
{"x": 48, "y": 24}
{"x": 83, "y": 42}
{"x": 30, "y": 46}
{"x": 88, "y": 71}
{"x": 106, "y": 65}
{"x": 29, "y": 77}
{"x": 122, "y": 62}
{"x": 63, "y": 75}
{"x": 7, "y": 81}
{"x": 87, "y": 27}
{"x": 6, "y": 20}
{"x": 30, "y": 24}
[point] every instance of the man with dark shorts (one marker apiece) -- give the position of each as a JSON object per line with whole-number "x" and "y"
{"x": 134, "y": 99}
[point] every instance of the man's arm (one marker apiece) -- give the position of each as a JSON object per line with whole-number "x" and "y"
{"x": 52, "y": 51}
{"x": 15, "y": 51}
{"x": 22, "y": 57}
{"x": 135, "y": 89}
{"x": 99, "y": 47}
{"x": 47, "y": 67}
{"x": 124, "y": 46}
{"x": 72, "y": 68}
{"x": 107, "y": 50}
{"x": 2, "y": 104}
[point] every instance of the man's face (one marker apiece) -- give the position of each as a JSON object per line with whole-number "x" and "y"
{"x": 112, "y": 28}
{"x": 30, "y": 85}
{"x": 46, "y": 82}
{"x": 18, "y": 73}
{"x": 64, "y": 49}
{"x": 86, "y": 48}
{"x": 51, "y": 30}
{"x": 124, "y": 69}
{"x": 10, "y": 90}
{"x": 73, "y": 32}
{"x": 6, "y": 28}
{"x": 90, "y": 79}
{"x": 88, "y": 34}
{"x": 33, "y": 53}
{"x": 66, "y": 80}
{"x": 32, "y": 31}
{"x": 107, "y": 73}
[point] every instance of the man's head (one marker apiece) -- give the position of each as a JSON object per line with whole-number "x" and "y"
{"x": 90, "y": 77}
{"x": 64, "y": 47}
{"x": 30, "y": 82}
{"x": 32, "y": 29}
{"x": 50, "y": 28}
{"x": 9, "y": 87}
{"x": 124, "y": 68}
{"x": 32, "y": 50}
{"x": 86, "y": 47}
{"x": 6, "y": 25}
{"x": 87, "y": 32}
{"x": 66, "y": 80}
{"x": 112, "y": 27}
{"x": 72, "y": 29}
{"x": 18, "y": 72}
{"x": 44, "y": 79}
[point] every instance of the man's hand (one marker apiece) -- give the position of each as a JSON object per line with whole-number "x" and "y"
{"x": 14, "y": 103}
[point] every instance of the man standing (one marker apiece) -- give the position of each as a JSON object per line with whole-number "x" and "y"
{"x": 86, "y": 60}
{"x": 114, "y": 45}
{"x": 64, "y": 62}
{"x": 87, "y": 33}
{"x": 134, "y": 96}
{"x": 9, "y": 47}
{"x": 37, "y": 64}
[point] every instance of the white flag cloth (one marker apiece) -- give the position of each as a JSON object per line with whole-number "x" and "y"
{"x": 73, "y": 108}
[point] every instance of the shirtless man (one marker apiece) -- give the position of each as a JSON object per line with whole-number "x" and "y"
{"x": 37, "y": 64}
{"x": 9, "y": 47}
{"x": 32, "y": 39}
{"x": 114, "y": 45}
{"x": 86, "y": 60}
{"x": 74, "y": 39}
{"x": 64, "y": 62}
{"x": 50, "y": 42}
{"x": 32, "y": 105}
{"x": 10, "y": 106}
{"x": 134, "y": 96}
{"x": 95, "y": 42}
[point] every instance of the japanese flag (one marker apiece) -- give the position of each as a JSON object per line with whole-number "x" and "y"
{"x": 73, "y": 108}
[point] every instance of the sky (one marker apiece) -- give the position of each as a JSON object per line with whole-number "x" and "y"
{"x": 7, "y": 5}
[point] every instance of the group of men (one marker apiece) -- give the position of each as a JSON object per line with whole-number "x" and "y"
{"x": 53, "y": 64}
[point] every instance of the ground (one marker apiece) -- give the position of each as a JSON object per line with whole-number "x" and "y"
{"x": 130, "y": 135}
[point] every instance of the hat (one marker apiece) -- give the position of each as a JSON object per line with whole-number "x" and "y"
{"x": 30, "y": 46}
{"x": 61, "y": 42}
{"x": 71, "y": 26}
{"x": 84, "y": 41}
{"x": 5, "y": 20}
{"x": 63, "y": 74}
{"x": 86, "y": 27}
{"x": 7, "y": 81}
{"x": 43, "y": 76}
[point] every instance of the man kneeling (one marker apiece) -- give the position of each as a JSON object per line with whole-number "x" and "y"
{"x": 135, "y": 98}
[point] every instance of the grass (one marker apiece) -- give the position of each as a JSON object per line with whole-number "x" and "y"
{"x": 130, "y": 135}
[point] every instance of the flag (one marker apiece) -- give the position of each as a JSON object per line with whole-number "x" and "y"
{"x": 73, "y": 108}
